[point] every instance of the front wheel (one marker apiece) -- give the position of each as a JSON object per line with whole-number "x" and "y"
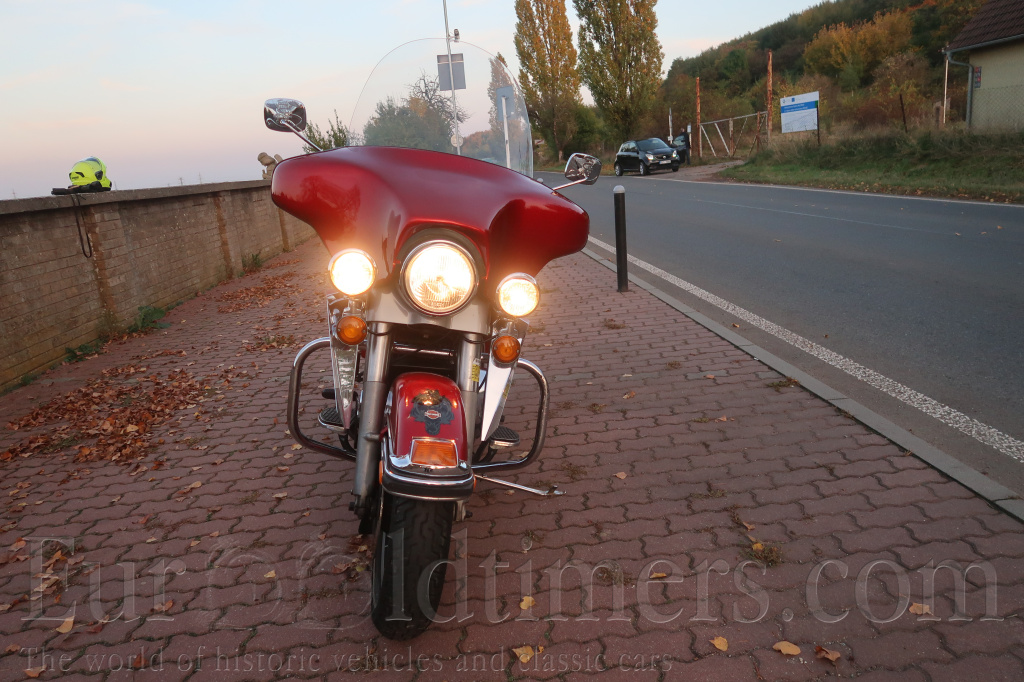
{"x": 644, "y": 170}
{"x": 618, "y": 169}
{"x": 409, "y": 564}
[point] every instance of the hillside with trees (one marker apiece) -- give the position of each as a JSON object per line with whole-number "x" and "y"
{"x": 863, "y": 56}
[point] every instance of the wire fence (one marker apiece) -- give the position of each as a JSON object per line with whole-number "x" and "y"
{"x": 732, "y": 137}
{"x": 997, "y": 109}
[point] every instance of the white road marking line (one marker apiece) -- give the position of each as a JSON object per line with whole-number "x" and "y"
{"x": 740, "y": 183}
{"x": 947, "y": 415}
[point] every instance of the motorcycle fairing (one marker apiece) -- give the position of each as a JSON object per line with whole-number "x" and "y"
{"x": 377, "y": 198}
{"x": 425, "y": 408}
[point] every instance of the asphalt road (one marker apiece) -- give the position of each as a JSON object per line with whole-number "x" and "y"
{"x": 928, "y": 293}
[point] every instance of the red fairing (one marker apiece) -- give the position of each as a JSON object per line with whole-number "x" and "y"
{"x": 425, "y": 405}
{"x": 376, "y": 198}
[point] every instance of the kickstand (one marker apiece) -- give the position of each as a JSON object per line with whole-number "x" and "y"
{"x": 552, "y": 492}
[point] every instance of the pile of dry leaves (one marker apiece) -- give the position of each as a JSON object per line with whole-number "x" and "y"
{"x": 110, "y": 418}
{"x": 271, "y": 287}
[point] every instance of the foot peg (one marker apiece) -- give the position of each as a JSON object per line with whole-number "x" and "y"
{"x": 504, "y": 437}
{"x": 330, "y": 419}
{"x": 552, "y": 492}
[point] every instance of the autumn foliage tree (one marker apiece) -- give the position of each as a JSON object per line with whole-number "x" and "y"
{"x": 547, "y": 60}
{"x": 620, "y": 59}
{"x": 852, "y": 53}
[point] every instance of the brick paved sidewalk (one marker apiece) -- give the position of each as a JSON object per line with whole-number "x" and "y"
{"x": 236, "y": 558}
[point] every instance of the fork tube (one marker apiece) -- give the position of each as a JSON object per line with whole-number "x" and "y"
{"x": 469, "y": 383}
{"x": 371, "y": 414}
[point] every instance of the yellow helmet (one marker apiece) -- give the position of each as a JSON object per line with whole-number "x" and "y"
{"x": 88, "y": 171}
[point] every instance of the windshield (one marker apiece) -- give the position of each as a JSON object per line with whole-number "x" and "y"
{"x": 651, "y": 144}
{"x": 408, "y": 102}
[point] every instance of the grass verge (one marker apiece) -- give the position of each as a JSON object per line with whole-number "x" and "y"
{"x": 942, "y": 164}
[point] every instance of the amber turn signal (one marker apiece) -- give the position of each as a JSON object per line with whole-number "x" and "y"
{"x": 505, "y": 349}
{"x": 434, "y": 453}
{"x": 351, "y": 330}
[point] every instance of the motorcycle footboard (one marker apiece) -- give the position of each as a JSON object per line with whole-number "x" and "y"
{"x": 424, "y": 452}
{"x": 292, "y": 408}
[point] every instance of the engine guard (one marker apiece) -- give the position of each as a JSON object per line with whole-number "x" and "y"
{"x": 425, "y": 449}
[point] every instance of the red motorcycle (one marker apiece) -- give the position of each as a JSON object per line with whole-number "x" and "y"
{"x": 437, "y": 230}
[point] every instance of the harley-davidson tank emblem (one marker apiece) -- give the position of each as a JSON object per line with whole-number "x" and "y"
{"x": 432, "y": 410}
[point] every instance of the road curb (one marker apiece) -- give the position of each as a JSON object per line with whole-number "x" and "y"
{"x": 995, "y": 493}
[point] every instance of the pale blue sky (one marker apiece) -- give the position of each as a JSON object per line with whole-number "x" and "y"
{"x": 168, "y": 92}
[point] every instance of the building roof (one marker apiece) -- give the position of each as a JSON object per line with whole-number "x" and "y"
{"x": 996, "y": 20}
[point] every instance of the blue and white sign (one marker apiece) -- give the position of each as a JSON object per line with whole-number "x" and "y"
{"x": 799, "y": 113}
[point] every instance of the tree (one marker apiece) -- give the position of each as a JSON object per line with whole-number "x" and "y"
{"x": 620, "y": 58}
{"x": 547, "y": 69}
{"x": 422, "y": 120}
{"x": 336, "y": 135}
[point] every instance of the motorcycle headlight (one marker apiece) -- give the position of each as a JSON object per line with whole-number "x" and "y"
{"x": 518, "y": 295}
{"x": 353, "y": 272}
{"x": 439, "y": 277}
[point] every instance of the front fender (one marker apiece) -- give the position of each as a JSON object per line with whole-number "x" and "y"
{"x": 426, "y": 447}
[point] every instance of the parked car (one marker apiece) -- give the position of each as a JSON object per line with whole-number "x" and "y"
{"x": 645, "y": 157}
{"x": 681, "y": 143}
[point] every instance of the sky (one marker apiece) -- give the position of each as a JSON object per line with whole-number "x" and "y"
{"x": 172, "y": 93}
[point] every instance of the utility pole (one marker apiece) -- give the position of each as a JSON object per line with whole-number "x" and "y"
{"x": 700, "y": 140}
{"x": 769, "y": 97}
{"x": 451, "y": 75}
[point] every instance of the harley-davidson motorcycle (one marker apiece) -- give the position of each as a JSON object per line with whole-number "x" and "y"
{"x": 436, "y": 229}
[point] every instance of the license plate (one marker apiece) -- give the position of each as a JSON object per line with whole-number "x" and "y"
{"x": 664, "y": 162}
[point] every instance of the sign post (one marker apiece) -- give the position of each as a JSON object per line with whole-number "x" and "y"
{"x": 799, "y": 113}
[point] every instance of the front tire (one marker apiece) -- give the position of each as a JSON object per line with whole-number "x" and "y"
{"x": 618, "y": 170}
{"x": 409, "y": 564}
{"x": 644, "y": 170}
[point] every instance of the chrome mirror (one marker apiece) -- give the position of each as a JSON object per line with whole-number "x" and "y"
{"x": 284, "y": 115}
{"x": 287, "y": 116}
{"x": 581, "y": 169}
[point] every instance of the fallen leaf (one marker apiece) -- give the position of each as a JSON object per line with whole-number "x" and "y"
{"x": 218, "y": 461}
{"x": 827, "y": 653}
{"x": 66, "y": 626}
{"x": 13, "y": 649}
{"x": 527, "y": 602}
{"x": 35, "y": 672}
{"x": 748, "y": 526}
{"x": 270, "y": 574}
{"x": 735, "y": 325}
{"x": 296, "y": 447}
{"x": 215, "y": 534}
{"x": 658, "y": 576}
{"x": 150, "y": 541}
{"x": 757, "y": 547}
{"x": 4, "y": 608}
{"x": 525, "y": 653}
{"x": 280, "y": 496}
{"x": 920, "y": 609}
{"x": 18, "y": 544}
{"x": 137, "y": 662}
{"x": 957, "y": 234}
{"x": 630, "y": 394}
{"x": 282, "y": 469}
{"x": 787, "y": 648}
{"x": 621, "y": 475}
{"x": 709, "y": 376}
{"x": 193, "y": 543}
{"x": 721, "y": 643}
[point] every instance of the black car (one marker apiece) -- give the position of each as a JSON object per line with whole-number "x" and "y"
{"x": 646, "y": 156}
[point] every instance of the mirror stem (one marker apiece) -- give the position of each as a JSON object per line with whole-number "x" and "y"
{"x": 291, "y": 126}
{"x": 568, "y": 184}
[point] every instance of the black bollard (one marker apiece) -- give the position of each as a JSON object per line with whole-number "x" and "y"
{"x": 620, "y": 237}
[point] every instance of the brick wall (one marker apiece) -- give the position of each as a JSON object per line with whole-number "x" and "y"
{"x": 151, "y": 247}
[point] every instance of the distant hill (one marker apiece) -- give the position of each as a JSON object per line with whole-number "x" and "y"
{"x": 861, "y": 52}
